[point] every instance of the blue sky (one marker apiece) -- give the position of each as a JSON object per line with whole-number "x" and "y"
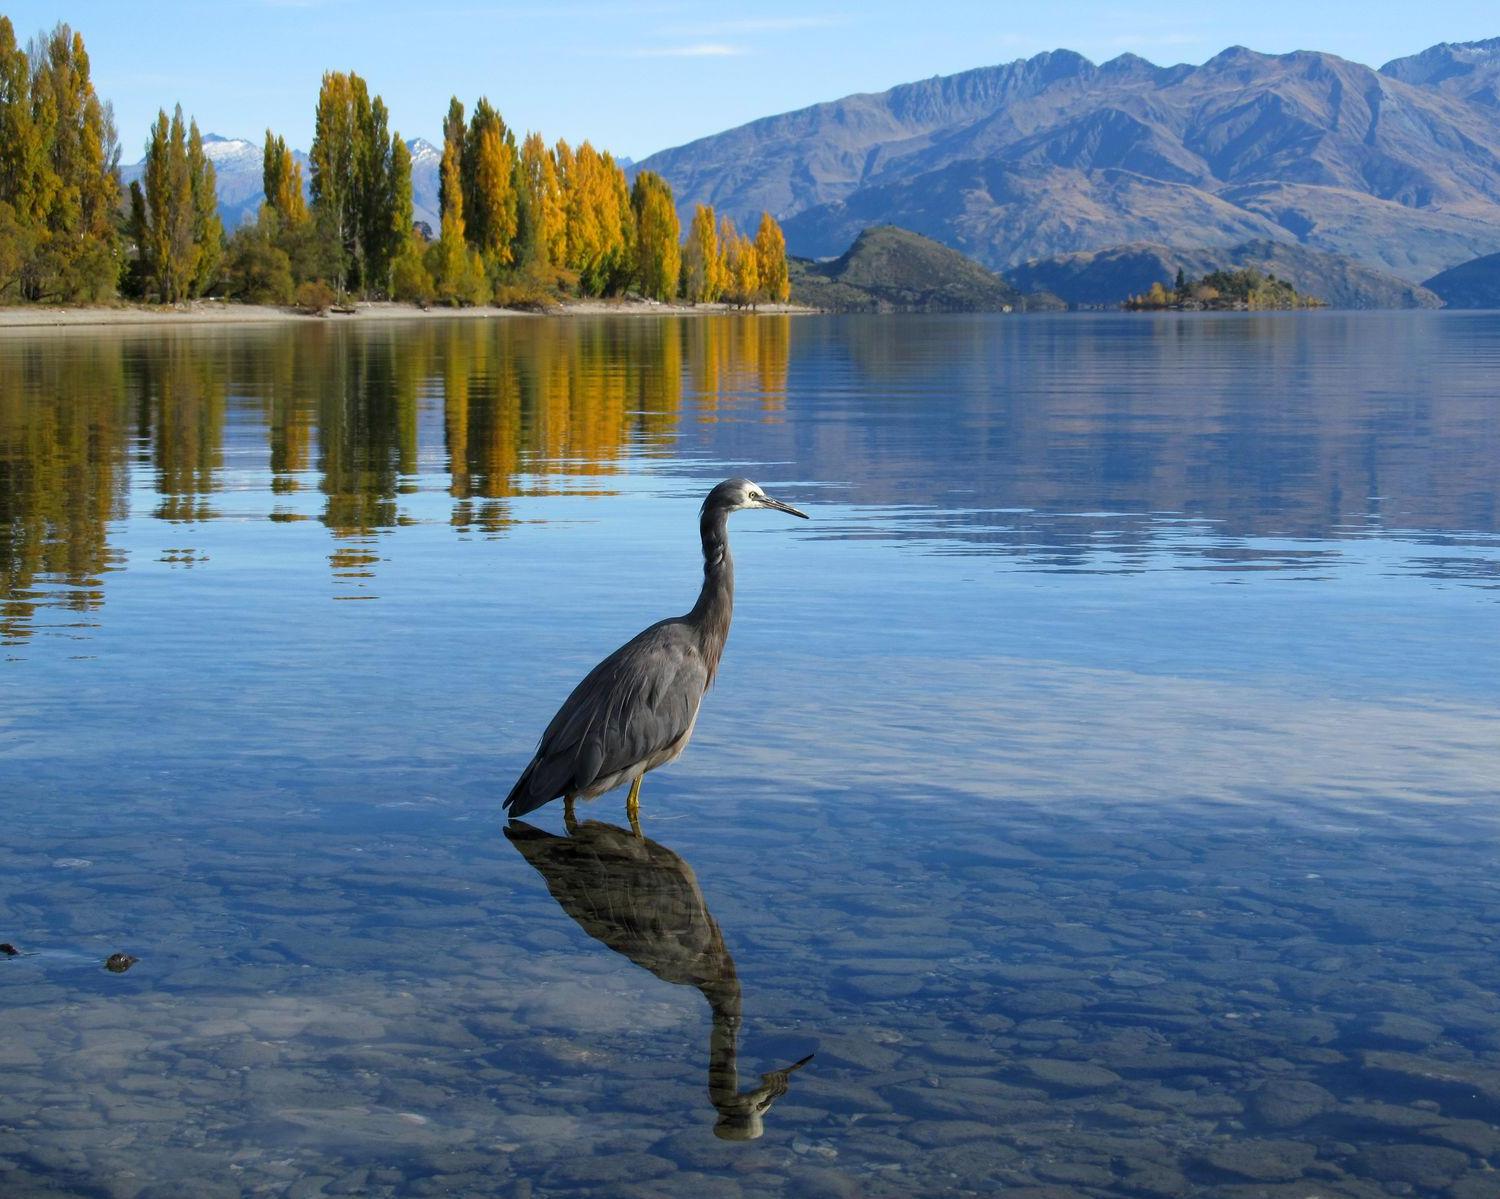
{"x": 640, "y": 77}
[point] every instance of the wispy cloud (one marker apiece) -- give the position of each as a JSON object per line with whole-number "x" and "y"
{"x": 693, "y": 50}
{"x": 757, "y": 25}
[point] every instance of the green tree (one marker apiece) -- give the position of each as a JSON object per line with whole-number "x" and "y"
{"x": 658, "y": 257}
{"x": 208, "y": 230}
{"x": 334, "y": 162}
{"x": 256, "y": 268}
{"x": 58, "y": 168}
{"x": 168, "y": 248}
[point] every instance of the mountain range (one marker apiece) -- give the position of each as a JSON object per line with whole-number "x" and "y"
{"x": 1398, "y": 169}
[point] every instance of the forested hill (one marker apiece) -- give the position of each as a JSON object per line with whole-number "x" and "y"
{"x": 893, "y": 270}
{"x": 1398, "y": 169}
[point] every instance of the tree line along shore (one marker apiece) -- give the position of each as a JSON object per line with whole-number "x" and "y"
{"x": 523, "y": 224}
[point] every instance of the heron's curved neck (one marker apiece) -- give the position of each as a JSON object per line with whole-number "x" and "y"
{"x": 715, "y": 606}
{"x": 723, "y": 1041}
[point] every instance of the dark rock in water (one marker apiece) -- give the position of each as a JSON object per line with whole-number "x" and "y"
{"x": 1400, "y": 1030}
{"x": 1070, "y": 1076}
{"x": 8, "y": 949}
{"x": 1286, "y": 1103}
{"x": 1416, "y": 1068}
{"x": 118, "y": 963}
{"x": 1430, "y": 1167}
{"x": 1260, "y": 1161}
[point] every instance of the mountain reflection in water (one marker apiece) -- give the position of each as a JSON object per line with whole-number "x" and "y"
{"x": 643, "y": 901}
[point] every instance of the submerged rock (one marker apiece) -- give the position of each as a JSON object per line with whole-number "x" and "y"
{"x": 1286, "y": 1103}
{"x": 1260, "y": 1161}
{"x": 118, "y": 963}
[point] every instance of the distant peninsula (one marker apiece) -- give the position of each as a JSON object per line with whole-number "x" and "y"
{"x": 895, "y": 270}
{"x": 1472, "y": 284}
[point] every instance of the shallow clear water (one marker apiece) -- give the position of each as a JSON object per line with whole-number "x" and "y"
{"x": 1102, "y": 786}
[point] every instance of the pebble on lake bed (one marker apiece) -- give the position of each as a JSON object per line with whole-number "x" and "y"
{"x": 118, "y": 963}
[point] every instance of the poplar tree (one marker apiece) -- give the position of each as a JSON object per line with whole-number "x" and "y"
{"x": 702, "y": 258}
{"x": 457, "y": 273}
{"x": 596, "y": 206}
{"x": 409, "y": 279}
{"x": 58, "y": 185}
{"x": 487, "y": 170}
{"x": 208, "y": 230}
{"x": 333, "y": 162}
{"x": 168, "y": 215}
{"x": 770, "y": 257}
{"x": 741, "y": 268}
{"x": 375, "y": 195}
{"x": 20, "y": 145}
{"x": 453, "y": 134}
{"x": 658, "y": 258}
{"x": 544, "y": 198}
{"x": 281, "y": 179}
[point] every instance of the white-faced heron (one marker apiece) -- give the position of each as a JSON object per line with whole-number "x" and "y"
{"x": 635, "y": 711}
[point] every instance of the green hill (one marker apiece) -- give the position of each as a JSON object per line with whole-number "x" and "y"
{"x": 1472, "y": 284}
{"x": 893, "y": 270}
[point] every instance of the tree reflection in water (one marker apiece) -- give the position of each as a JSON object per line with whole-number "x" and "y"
{"x": 643, "y": 901}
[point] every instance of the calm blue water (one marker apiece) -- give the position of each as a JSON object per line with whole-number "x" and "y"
{"x": 1102, "y": 786}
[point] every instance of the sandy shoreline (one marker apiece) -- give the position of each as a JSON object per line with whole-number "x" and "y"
{"x": 213, "y": 312}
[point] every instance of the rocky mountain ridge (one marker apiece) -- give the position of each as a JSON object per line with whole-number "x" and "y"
{"x": 1398, "y": 169}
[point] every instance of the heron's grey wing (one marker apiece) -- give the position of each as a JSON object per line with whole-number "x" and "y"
{"x": 637, "y": 702}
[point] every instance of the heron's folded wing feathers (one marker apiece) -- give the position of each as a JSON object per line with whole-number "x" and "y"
{"x": 636, "y": 703}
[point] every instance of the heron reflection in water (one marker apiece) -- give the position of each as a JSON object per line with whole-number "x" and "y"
{"x": 643, "y": 901}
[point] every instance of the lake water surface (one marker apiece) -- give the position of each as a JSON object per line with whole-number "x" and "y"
{"x": 1102, "y": 786}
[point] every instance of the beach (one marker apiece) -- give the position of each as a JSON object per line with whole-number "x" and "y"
{"x": 219, "y": 312}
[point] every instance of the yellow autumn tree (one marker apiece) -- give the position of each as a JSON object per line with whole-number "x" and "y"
{"x": 457, "y": 272}
{"x": 619, "y": 222}
{"x": 592, "y": 208}
{"x": 487, "y": 170}
{"x": 658, "y": 258}
{"x": 281, "y": 177}
{"x": 544, "y": 198}
{"x": 703, "y": 259}
{"x": 773, "y": 283}
{"x": 741, "y": 268}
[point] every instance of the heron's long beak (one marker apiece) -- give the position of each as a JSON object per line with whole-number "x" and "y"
{"x": 768, "y": 502}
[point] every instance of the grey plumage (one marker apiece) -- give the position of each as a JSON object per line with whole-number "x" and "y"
{"x": 635, "y": 711}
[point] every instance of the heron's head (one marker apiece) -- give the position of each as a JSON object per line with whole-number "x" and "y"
{"x": 744, "y": 1117}
{"x": 733, "y": 494}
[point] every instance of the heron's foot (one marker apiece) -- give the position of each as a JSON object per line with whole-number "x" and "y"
{"x": 570, "y": 818}
{"x": 633, "y": 806}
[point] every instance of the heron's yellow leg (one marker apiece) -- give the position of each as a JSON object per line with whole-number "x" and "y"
{"x": 633, "y": 805}
{"x": 570, "y": 819}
